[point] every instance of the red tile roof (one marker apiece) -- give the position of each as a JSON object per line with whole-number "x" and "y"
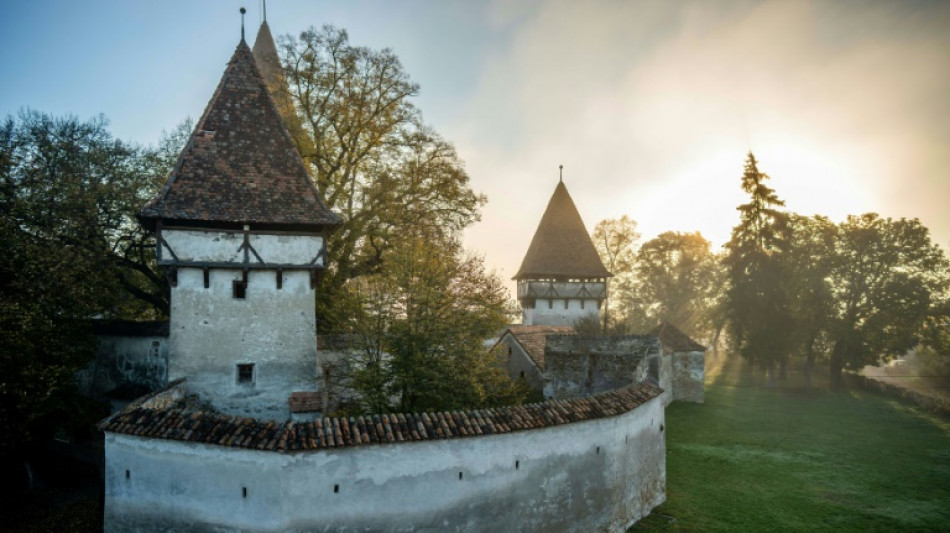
{"x": 251, "y": 433}
{"x": 561, "y": 246}
{"x": 240, "y": 164}
{"x": 533, "y": 339}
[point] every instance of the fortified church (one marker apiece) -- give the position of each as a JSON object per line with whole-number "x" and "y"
{"x": 234, "y": 440}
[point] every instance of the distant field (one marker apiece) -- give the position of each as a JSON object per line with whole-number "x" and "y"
{"x": 750, "y": 459}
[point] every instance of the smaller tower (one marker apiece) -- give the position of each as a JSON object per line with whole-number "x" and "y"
{"x": 561, "y": 278}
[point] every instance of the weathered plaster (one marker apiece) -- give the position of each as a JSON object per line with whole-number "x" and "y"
{"x": 211, "y": 332}
{"x": 519, "y": 364}
{"x": 125, "y": 361}
{"x": 689, "y": 374}
{"x": 596, "y": 475}
{"x": 225, "y": 246}
{"x": 576, "y": 365}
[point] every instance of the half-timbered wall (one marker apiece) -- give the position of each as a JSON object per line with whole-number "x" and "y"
{"x": 216, "y": 246}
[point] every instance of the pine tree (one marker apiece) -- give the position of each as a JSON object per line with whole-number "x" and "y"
{"x": 757, "y": 302}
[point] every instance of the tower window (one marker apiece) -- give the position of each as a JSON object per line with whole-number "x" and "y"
{"x": 239, "y": 289}
{"x": 245, "y": 374}
{"x": 565, "y": 303}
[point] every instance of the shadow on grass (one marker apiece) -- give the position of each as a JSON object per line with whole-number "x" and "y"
{"x": 794, "y": 459}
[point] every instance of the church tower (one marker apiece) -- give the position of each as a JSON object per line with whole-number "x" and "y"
{"x": 241, "y": 233}
{"x": 561, "y": 278}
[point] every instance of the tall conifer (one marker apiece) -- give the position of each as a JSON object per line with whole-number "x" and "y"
{"x": 757, "y": 302}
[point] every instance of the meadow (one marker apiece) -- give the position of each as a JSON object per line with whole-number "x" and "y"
{"x": 795, "y": 459}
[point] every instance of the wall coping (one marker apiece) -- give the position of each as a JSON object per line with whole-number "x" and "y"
{"x": 181, "y": 424}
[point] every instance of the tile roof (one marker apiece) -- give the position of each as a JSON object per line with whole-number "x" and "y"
{"x": 240, "y": 164}
{"x": 533, "y": 339}
{"x": 561, "y": 246}
{"x": 674, "y": 339}
{"x": 251, "y": 433}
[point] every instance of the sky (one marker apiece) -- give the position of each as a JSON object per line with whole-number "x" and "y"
{"x": 650, "y": 106}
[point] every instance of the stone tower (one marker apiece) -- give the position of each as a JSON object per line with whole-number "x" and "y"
{"x": 561, "y": 278}
{"x": 241, "y": 234}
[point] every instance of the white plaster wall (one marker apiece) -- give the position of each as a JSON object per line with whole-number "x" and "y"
{"x": 224, "y": 246}
{"x": 210, "y": 332}
{"x": 552, "y": 312}
{"x": 597, "y": 475}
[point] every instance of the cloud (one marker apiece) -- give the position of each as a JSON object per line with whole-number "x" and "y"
{"x": 652, "y": 106}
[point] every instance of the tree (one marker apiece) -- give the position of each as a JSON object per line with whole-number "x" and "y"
{"x": 808, "y": 264}
{"x": 69, "y": 193}
{"x": 421, "y": 329}
{"x": 884, "y": 279}
{"x": 678, "y": 280}
{"x": 615, "y": 241}
{"x": 377, "y": 164}
{"x": 757, "y": 300}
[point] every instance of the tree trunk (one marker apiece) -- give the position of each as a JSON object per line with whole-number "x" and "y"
{"x": 770, "y": 373}
{"x": 836, "y": 365}
{"x": 782, "y": 370}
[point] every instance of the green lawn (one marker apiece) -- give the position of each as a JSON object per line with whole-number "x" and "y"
{"x": 751, "y": 459}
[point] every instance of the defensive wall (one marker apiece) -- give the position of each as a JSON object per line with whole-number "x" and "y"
{"x": 594, "y": 463}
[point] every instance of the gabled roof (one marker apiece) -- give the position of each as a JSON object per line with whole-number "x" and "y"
{"x": 533, "y": 338}
{"x": 240, "y": 164}
{"x": 675, "y": 340}
{"x": 561, "y": 246}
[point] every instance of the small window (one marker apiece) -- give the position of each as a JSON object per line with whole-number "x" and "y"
{"x": 582, "y": 303}
{"x": 521, "y": 374}
{"x": 245, "y": 373}
{"x": 239, "y": 289}
{"x": 550, "y": 304}
{"x": 565, "y": 303}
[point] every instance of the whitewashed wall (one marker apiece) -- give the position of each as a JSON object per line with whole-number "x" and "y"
{"x": 211, "y": 332}
{"x": 596, "y": 475}
{"x": 552, "y": 312}
{"x": 224, "y": 246}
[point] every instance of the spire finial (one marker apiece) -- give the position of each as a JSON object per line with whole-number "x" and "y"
{"x": 265, "y": 10}
{"x": 561, "y": 173}
{"x": 243, "y": 11}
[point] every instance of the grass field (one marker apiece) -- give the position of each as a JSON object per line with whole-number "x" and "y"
{"x": 752, "y": 459}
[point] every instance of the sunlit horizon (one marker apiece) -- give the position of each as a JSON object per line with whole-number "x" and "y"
{"x": 650, "y": 106}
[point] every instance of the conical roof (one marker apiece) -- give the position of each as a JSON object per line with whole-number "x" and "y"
{"x": 265, "y": 53}
{"x": 561, "y": 246}
{"x": 240, "y": 164}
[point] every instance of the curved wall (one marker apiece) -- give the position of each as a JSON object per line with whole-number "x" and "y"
{"x": 594, "y": 475}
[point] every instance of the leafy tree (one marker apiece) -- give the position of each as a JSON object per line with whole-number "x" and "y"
{"x": 69, "y": 193}
{"x": 884, "y": 280}
{"x": 808, "y": 264}
{"x": 677, "y": 279}
{"x": 757, "y": 300}
{"x": 616, "y": 240}
{"x": 422, "y": 324}
{"x": 377, "y": 164}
